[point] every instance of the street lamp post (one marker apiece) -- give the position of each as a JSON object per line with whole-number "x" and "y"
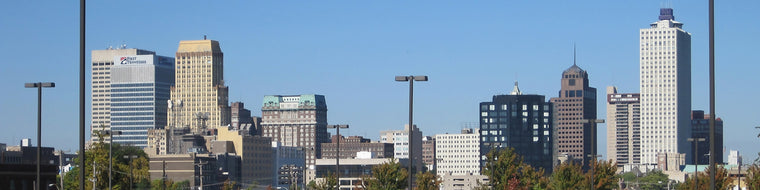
{"x": 39, "y": 86}
{"x": 492, "y": 146}
{"x": 337, "y": 150}
{"x": 129, "y": 162}
{"x": 200, "y": 167}
{"x": 593, "y": 154}
{"x": 696, "y": 157}
{"x": 411, "y": 79}
{"x": 110, "y": 134}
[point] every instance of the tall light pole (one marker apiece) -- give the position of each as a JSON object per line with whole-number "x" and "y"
{"x": 110, "y": 134}
{"x": 81, "y": 92}
{"x": 593, "y": 154}
{"x": 411, "y": 80}
{"x": 39, "y": 86}
{"x": 200, "y": 167}
{"x": 696, "y": 157}
{"x": 129, "y": 158}
{"x": 712, "y": 92}
{"x": 337, "y": 150}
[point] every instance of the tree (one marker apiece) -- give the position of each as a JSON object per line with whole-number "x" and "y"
{"x": 505, "y": 170}
{"x": 330, "y": 182}
{"x": 604, "y": 174}
{"x": 654, "y": 180}
{"x": 427, "y": 181}
{"x": 753, "y": 177}
{"x": 722, "y": 180}
{"x": 567, "y": 175}
{"x": 387, "y": 176}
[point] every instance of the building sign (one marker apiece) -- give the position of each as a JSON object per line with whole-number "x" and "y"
{"x": 134, "y": 60}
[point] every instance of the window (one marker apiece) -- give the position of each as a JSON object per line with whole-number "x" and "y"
{"x": 571, "y": 82}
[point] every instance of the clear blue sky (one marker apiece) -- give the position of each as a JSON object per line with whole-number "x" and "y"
{"x": 349, "y": 51}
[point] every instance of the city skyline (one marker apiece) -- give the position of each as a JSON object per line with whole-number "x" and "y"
{"x": 476, "y": 49}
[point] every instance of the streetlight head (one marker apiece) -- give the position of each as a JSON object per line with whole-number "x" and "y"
{"x": 402, "y": 78}
{"x": 40, "y": 84}
{"x": 337, "y": 126}
{"x": 421, "y": 78}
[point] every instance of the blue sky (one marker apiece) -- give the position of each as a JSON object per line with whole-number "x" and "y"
{"x": 349, "y": 51}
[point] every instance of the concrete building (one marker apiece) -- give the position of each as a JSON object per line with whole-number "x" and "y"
{"x": 400, "y": 141}
{"x": 199, "y": 96}
{"x": 734, "y": 158}
{"x": 665, "y": 83}
{"x": 576, "y": 102}
{"x": 102, "y": 61}
{"x": 241, "y": 117}
{"x": 349, "y": 146}
{"x": 700, "y": 126}
{"x": 623, "y": 127}
{"x": 458, "y": 154}
{"x": 256, "y": 155}
{"x": 522, "y": 122}
{"x": 462, "y": 182}
{"x": 185, "y": 167}
{"x": 289, "y": 163}
{"x": 296, "y": 121}
{"x": 140, "y": 86}
{"x": 428, "y": 152}
{"x": 18, "y": 166}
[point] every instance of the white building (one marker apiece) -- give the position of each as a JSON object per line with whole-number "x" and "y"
{"x": 400, "y": 140}
{"x": 462, "y": 182}
{"x": 458, "y": 154}
{"x": 665, "y": 50}
{"x": 351, "y": 170}
{"x": 734, "y": 158}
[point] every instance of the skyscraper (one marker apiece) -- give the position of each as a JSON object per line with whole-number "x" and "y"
{"x": 458, "y": 154}
{"x": 296, "y": 121}
{"x": 102, "y": 61}
{"x": 400, "y": 140}
{"x": 523, "y": 122}
{"x": 623, "y": 127}
{"x": 665, "y": 50}
{"x": 700, "y": 126}
{"x": 576, "y": 103}
{"x": 199, "y": 96}
{"x": 139, "y": 92}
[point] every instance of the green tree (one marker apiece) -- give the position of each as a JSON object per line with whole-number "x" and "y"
{"x": 604, "y": 174}
{"x": 387, "y": 176}
{"x": 505, "y": 170}
{"x": 329, "y": 182}
{"x": 654, "y": 180}
{"x": 753, "y": 177}
{"x": 427, "y": 181}
{"x": 567, "y": 175}
{"x": 722, "y": 180}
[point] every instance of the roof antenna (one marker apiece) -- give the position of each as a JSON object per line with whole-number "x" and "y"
{"x": 574, "y": 54}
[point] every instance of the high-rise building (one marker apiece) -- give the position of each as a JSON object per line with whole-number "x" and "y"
{"x": 665, "y": 50}
{"x": 400, "y": 141}
{"x": 428, "y": 152}
{"x": 139, "y": 92}
{"x": 700, "y": 126}
{"x": 296, "y": 121}
{"x": 623, "y": 127}
{"x": 241, "y": 117}
{"x": 349, "y": 146}
{"x": 576, "y": 102}
{"x": 458, "y": 154}
{"x": 102, "y": 61}
{"x": 522, "y": 122}
{"x": 199, "y": 96}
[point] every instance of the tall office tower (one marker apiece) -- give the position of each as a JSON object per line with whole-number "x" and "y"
{"x": 700, "y": 126}
{"x": 458, "y": 154}
{"x": 623, "y": 127}
{"x": 665, "y": 50}
{"x": 296, "y": 121}
{"x": 102, "y": 61}
{"x": 576, "y": 103}
{"x": 140, "y": 86}
{"x": 199, "y": 97}
{"x": 522, "y": 122}
{"x": 400, "y": 140}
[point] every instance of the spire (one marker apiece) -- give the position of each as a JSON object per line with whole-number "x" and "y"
{"x": 573, "y": 53}
{"x": 516, "y": 90}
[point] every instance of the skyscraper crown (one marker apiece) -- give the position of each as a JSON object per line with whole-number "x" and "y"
{"x": 666, "y": 14}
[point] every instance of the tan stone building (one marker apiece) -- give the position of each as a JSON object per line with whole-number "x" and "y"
{"x": 623, "y": 127}
{"x": 576, "y": 102}
{"x": 199, "y": 96}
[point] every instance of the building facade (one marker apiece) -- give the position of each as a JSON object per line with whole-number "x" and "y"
{"x": 576, "y": 102}
{"x": 140, "y": 86}
{"x": 296, "y": 121}
{"x": 700, "y": 126}
{"x": 623, "y": 127}
{"x": 458, "y": 154}
{"x": 199, "y": 96}
{"x": 102, "y": 61}
{"x": 349, "y": 146}
{"x": 241, "y": 116}
{"x": 522, "y": 122}
{"x": 428, "y": 152}
{"x": 400, "y": 141}
{"x": 665, "y": 83}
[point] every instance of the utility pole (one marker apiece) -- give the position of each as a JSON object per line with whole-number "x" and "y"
{"x": 163, "y": 175}
{"x": 60, "y": 165}
{"x": 200, "y": 167}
